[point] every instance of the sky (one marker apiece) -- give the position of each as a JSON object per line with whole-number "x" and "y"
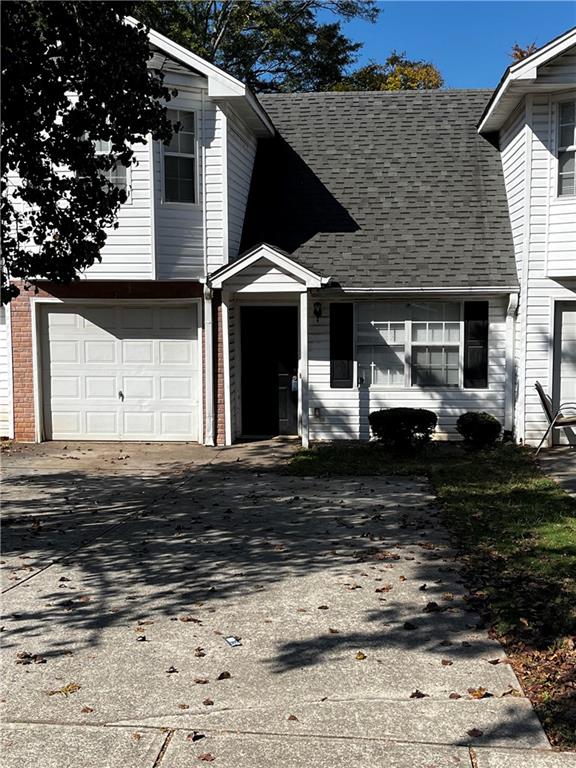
{"x": 469, "y": 42}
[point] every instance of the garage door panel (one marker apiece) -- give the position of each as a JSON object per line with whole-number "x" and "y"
{"x": 141, "y": 351}
{"x": 121, "y": 372}
{"x": 100, "y": 351}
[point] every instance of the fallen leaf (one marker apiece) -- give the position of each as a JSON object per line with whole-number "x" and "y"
{"x": 224, "y": 676}
{"x": 293, "y": 718}
{"x": 512, "y": 692}
{"x": 199, "y": 652}
{"x": 454, "y": 696}
{"x": 333, "y": 631}
{"x": 136, "y": 736}
{"x": 141, "y": 639}
{"x": 66, "y": 690}
{"x": 207, "y": 757}
{"x": 447, "y": 663}
{"x": 171, "y": 670}
{"x": 401, "y": 578}
{"x": 201, "y": 680}
{"x": 86, "y": 710}
{"x": 189, "y": 618}
{"x": 322, "y": 607}
{"x": 208, "y": 702}
{"x": 360, "y": 656}
{"x": 409, "y": 626}
{"x": 432, "y": 607}
{"x": 423, "y": 587}
{"x": 475, "y": 733}
{"x": 418, "y": 695}
{"x": 384, "y": 588}
{"x": 479, "y": 693}
{"x": 183, "y": 706}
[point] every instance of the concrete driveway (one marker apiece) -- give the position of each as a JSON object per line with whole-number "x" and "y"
{"x": 127, "y": 567}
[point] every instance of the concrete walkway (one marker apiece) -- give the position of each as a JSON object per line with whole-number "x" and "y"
{"x": 127, "y": 567}
{"x": 560, "y": 464}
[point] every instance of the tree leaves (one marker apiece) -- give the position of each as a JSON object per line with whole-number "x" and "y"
{"x": 53, "y": 222}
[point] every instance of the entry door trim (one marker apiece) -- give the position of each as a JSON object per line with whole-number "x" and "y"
{"x": 37, "y": 302}
{"x": 238, "y": 306}
{"x": 560, "y": 306}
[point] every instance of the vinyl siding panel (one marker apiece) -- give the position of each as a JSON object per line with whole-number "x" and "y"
{"x": 128, "y": 252}
{"x": 241, "y": 153}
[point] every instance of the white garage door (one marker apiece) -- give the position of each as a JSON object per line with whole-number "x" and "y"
{"x": 120, "y": 372}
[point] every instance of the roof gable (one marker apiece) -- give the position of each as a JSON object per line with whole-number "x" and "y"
{"x": 265, "y": 257}
{"x": 541, "y": 70}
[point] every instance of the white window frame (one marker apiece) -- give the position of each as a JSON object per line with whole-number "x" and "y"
{"x": 559, "y": 148}
{"x": 196, "y": 157}
{"x": 409, "y": 344}
{"x": 127, "y": 168}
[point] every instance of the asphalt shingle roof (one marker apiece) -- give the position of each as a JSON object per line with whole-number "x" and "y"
{"x": 391, "y": 189}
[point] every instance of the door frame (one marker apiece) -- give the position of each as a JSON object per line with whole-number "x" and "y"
{"x": 284, "y": 303}
{"x": 560, "y": 306}
{"x": 37, "y": 302}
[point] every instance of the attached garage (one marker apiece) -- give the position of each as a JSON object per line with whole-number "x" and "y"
{"x": 120, "y": 371}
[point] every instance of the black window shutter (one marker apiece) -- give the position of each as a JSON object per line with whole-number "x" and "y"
{"x": 476, "y": 344}
{"x": 341, "y": 345}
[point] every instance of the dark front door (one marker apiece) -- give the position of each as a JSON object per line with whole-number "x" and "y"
{"x": 269, "y": 339}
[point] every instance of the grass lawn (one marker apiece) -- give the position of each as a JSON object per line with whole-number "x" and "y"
{"x": 516, "y": 533}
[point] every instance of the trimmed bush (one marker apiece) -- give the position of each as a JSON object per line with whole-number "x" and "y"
{"x": 403, "y": 427}
{"x": 479, "y": 429}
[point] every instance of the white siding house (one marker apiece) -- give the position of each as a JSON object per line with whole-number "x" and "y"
{"x": 543, "y": 217}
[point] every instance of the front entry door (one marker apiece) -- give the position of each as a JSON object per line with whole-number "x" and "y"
{"x": 269, "y": 349}
{"x": 565, "y": 363}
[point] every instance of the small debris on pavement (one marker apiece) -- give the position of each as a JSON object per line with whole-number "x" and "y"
{"x": 233, "y": 641}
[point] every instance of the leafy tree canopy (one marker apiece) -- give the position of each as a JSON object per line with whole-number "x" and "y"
{"x": 54, "y": 217}
{"x": 271, "y": 45}
{"x": 396, "y": 74}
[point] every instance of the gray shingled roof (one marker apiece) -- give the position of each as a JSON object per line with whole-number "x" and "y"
{"x": 392, "y": 189}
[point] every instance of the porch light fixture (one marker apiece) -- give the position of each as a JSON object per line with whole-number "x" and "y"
{"x": 317, "y": 311}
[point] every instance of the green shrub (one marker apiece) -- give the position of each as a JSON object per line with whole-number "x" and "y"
{"x": 479, "y": 429}
{"x": 403, "y": 427}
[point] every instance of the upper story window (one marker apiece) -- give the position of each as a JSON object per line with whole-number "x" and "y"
{"x": 180, "y": 160}
{"x": 567, "y": 148}
{"x": 117, "y": 176}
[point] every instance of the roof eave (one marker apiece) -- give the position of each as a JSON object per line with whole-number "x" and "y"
{"x": 519, "y": 80}
{"x": 221, "y": 85}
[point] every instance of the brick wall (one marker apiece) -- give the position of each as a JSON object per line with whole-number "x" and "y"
{"x": 21, "y": 328}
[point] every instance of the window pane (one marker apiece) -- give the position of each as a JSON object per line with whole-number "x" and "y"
{"x": 171, "y": 190}
{"x": 452, "y": 377}
{"x": 187, "y": 143}
{"x": 102, "y": 146}
{"x": 185, "y": 168}
{"x": 186, "y": 191}
{"x": 435, "y": 366}
{"x": 389, "y": 365}
{"x": 118, "y": 176}
{"x": 364, "y": 375}
{"x": 568, "y": 112}
{"x": 566, "y": 185}
{"x": 171, "y": 166}
{"x": 566, "y": 136}
{"x": 566, "y": 162}
{"x": 187, "y": 120}
{"x": 396, "y": 335}
{"x": 436, "y": 332}
{"x": 452, "y": 356}
{"x": 419, "y": 332}
{"x": 436, "y": 356}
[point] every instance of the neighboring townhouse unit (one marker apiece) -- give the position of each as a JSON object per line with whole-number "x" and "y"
{"x": 290, "y": 263}
{"x": 532, "y": 118}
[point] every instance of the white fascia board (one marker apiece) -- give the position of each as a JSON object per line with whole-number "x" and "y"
{"x": 522, "y": 75}
{"x": 310, "y": 279}
{"x": 221, "y": 85}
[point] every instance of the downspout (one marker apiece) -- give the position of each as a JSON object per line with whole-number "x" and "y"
{"x": 510, "y": 380}
{"x": 208, "y": 366}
